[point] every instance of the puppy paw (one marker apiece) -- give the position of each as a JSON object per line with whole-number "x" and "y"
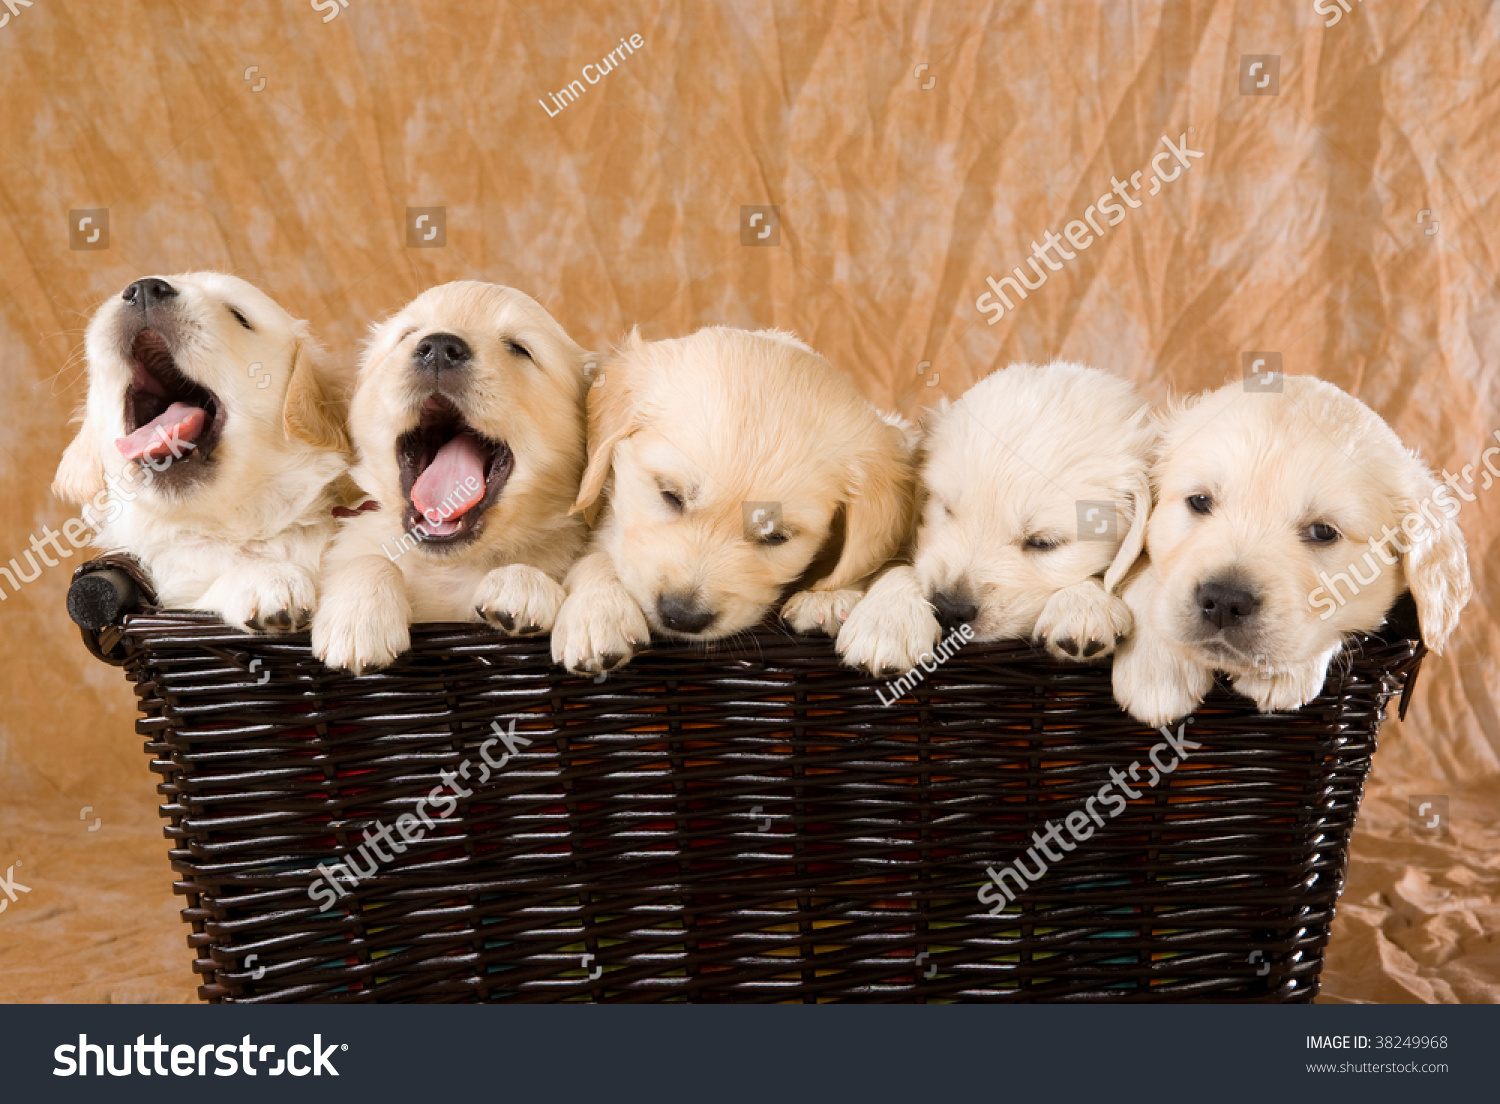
{"x": 809, "y": 611}
{"x": 364, "y": 622}
{"x": 598, "y": 630}
{"x": 888, "y": 635}
{"x": 518, "y": 600}
{"x": 1156, "y": 688}
{"x": 1082, "y": 622}
{"x": 1284, "y": 690}
{"x": 269, "y": 597}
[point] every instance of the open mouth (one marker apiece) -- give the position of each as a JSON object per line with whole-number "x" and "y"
{"x": 450, "y": 473}
{"x": 166, "y": 414}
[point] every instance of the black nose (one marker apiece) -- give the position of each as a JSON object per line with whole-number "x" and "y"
{"x": 443, "y": 352}
{"x": 682, "y": 613}
{"x": 148, "y": 293}
{"x": 954, "y": 607}
{"x": 1226, "y": 602}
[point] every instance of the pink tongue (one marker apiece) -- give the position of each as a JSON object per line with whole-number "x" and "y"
{"x": 177, "y": 426}
{"x": 452, "y": 483}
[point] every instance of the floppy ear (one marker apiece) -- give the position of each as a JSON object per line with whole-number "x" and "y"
{"x": 80, "y": 474}
{"x": 1437, "y": 568}
{"x": 312, "y": 414}
{"x": 1135, "y": 537}
{"x": 879, "y": 508}
{"x": 612, "y": 416}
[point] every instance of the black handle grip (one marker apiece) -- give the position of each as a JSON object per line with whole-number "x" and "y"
{"x": 101, "y": 598}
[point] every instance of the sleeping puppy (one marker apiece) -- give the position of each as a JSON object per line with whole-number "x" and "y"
{"x": 211, "y": 440}
{"x": 468, "y": 421}
{"x": 1285, "y": 521}
{"x": 733, "y": 458}
{"x": 1036, "y": 500}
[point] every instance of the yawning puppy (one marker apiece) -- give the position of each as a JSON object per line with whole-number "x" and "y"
{"x": 1284, "y": 522}
{"x": 731, "y": 454}
{"x": 1036, "y": 500}
{"x": 210, "y": 441}
{"x": 468, "y": 420}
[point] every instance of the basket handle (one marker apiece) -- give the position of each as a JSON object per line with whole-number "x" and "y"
{"x": 103, "y": 593}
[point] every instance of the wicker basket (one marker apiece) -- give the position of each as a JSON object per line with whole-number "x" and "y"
{"x": 750, "y": 824}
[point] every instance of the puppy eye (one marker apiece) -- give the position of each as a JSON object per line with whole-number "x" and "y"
{"x": 1200, "y": 503}
{"x": 1041, "y": 544}
{"x": 1320, "y": 533}
{"x": 515, "y": 348}
{"x": 673, "y": 499}
{"x": 779, "y": 537}
{"x": 241, "y": 319}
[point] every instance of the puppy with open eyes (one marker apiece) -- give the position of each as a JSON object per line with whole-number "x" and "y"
{"x": 468, "y": 420}
{"x": 719, "y": 468}
{"x": 212, "y": 441}
{"x": 1036, "y": 500}
{"x": 1285, "y": 521}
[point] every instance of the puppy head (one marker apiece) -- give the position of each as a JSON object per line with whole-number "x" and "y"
{"x": 1034, "y": 481}
{"x": 1287, "y": 519}
{"x": 468, "y": 417}
{"x": 732, "y": 454}
{"x": 204, "y": 383}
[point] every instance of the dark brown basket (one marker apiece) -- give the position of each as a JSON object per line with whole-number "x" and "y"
{"x": 745, "y": 825}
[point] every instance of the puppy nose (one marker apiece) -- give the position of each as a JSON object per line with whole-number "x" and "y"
{"x": 443, "y": 352}
{"x": 954, "y": 608}
{"x": 148, "y": 293}
{"x": 1225, "y": 602}
{"x": 682, "y": 613}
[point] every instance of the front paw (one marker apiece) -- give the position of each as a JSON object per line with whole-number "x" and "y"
{"x": 885, "y": 635}
{"x": 1284, "y": 690}
{"x": 518, "y": 600}
{"x": 1082, "y": 622}
{"x": 364, "y": 622}
{"x": 270, "y": 597}
{"x": 1158, "y": 688}
{"x": 809, "y": 611}
{"x": 598, "y": 630}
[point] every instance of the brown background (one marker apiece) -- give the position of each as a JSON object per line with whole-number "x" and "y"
{"x": 1298, "y": 232}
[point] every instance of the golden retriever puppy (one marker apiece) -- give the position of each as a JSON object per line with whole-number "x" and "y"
{"x": 1036, "y": 495}
{"x": 212, "y": 437}
{"x": 733, "y": 459}
{"x": 468, "y": 420}
{"x": 1284, "y": 521}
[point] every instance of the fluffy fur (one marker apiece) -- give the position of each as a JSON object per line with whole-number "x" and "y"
{"x": 690, "y": 435}
{"x": 1002, "y": 544}
{"x": 236, "y": 523}
{"x": 519, "y": 389}
{"x": 1261, "y": 497}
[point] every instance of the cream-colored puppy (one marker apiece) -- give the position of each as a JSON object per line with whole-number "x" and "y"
{"x": 211, "y": 440}
{"x": 468, "y": 420}
{"x": 729, "y": 455}
{"x": 1035, "y": 503}
{"x": 1284, "y": 522}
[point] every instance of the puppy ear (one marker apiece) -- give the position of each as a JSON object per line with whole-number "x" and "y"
{"x": 1436, "y": 567}
{"x": 879, "y": 508}
{"x": 612, "y": 416}
{"x": 313, "y": 414}
{"x": 1135, "y": 537}
{"x": 80, "y": 474}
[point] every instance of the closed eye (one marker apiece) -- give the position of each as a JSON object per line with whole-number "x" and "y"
{"x": 241, "y": 319}
{"x": 1039, "y": 543}
{"x": 781, "y": 536}
{"x": 674, "y": 500}
{"x": 515, "y": 348}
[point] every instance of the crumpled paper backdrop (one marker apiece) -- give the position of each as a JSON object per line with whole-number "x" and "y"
{"x": 1345, "y": 222}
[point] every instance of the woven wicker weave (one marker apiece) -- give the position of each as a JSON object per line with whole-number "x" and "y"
{"x": 745, "y": 825}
